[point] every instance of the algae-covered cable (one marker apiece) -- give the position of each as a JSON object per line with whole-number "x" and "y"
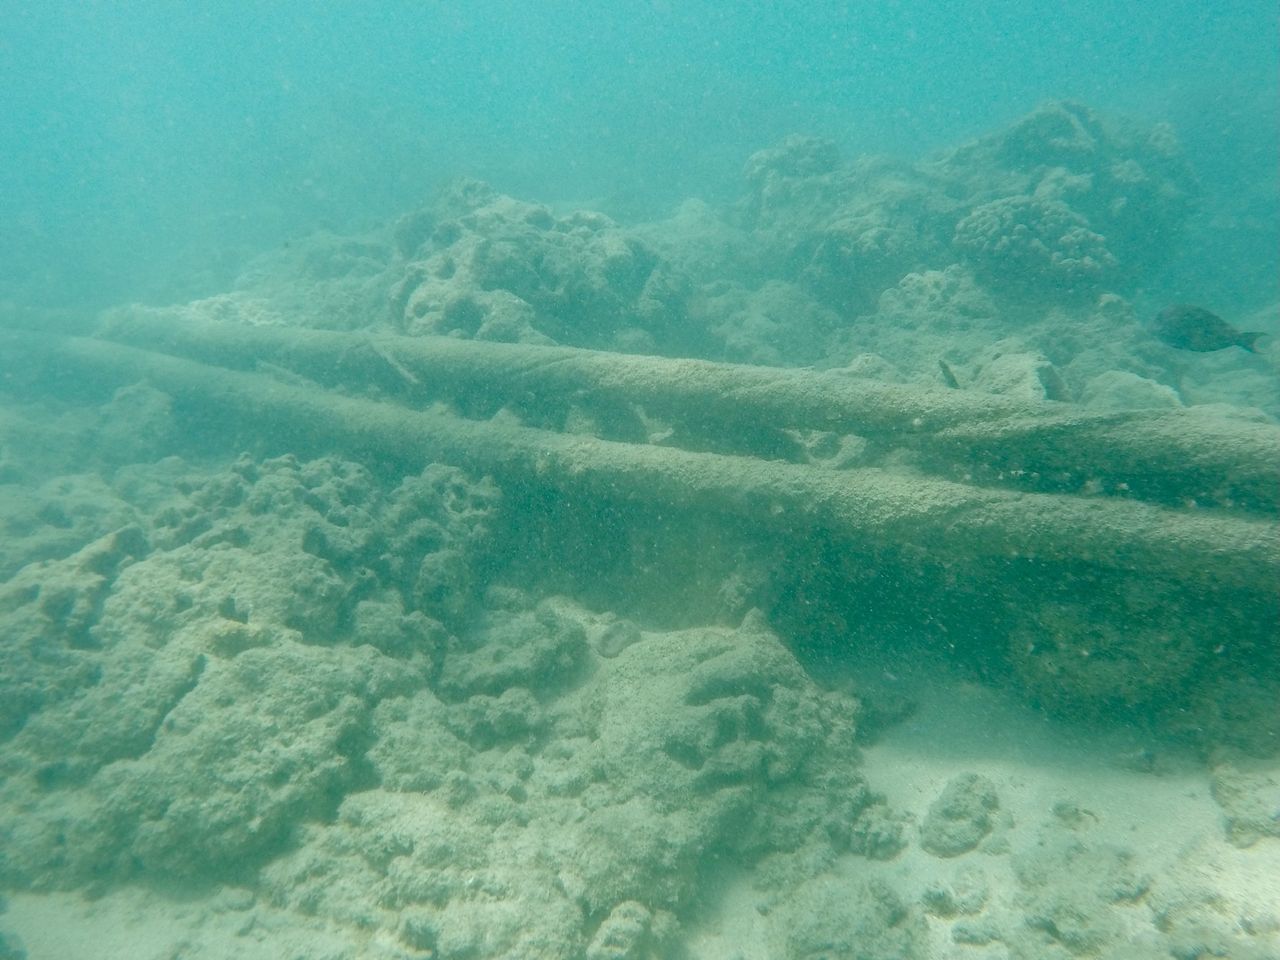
{"x": 948, "y": 519}
{"x": 664, "y": 385}
{"x": 1166, "y": 455}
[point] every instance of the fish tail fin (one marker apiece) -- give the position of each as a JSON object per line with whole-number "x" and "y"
{"x": 1248, "y": 340}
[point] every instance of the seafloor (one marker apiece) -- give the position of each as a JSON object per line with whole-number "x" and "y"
{"x": 275, "y": 686}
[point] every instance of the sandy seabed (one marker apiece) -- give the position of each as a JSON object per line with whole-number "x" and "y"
{"x": 1074, "y": 815}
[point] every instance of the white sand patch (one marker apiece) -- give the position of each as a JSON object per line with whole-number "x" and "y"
{"x": 136, "y": 924}
{"x": 1061, "y": 789}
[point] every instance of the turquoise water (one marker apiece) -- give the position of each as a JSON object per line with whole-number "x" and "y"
{"x": 640, "y": 482}
{"x": 150, "y": 148}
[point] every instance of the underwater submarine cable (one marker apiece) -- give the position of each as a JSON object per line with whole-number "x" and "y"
{"x": 1203, "y": 547}
{"x": 1161, "y": 455}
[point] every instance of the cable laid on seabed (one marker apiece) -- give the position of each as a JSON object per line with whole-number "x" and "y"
{"x": 1202, "y": 547}
{"x": 1162, "y": 455}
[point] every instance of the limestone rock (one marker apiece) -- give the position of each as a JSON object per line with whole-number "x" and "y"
{"x": 961, "y": 817}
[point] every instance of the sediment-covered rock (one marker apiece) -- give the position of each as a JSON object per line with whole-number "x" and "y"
{"x": 186, "y": 694}
{"x": 961, "y": 817}
{"x": 495, "y": 268}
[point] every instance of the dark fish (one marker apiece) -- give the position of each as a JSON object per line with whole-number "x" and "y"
{"x": 1195, "y": 328}
{"x": 948, "y": 375}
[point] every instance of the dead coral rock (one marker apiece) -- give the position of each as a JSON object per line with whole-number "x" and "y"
{"x": 1006, "y": 369}
{"x": 48, "y": 611}
{"x": 57, "y": 518}
{"x": 702, "y": 240}
{"x": 543, "y": 649}
{"x": 961, "y": 817}
{"x": 195, "y": 690}
{"x": 1029, "y": 243}
{"x": 632, "y": 932}
{"x": 691, "y": 713}
{"x": 948, "y": 300}
{"x": 501, "y": 269}
{"x": 845, "y": 232}
{"x": 545, "y": 819}
{"x": 777, "y": 323}
{"x": 261, "y": 744}
{"x": 861, "y": 252}
{"x": 1121, "y": 390}
{"x": 795, "y": 173}
{"x": 322, "y": 281}
{"x": 438, "y": 526}
{"x": 1057, "y": 208}
{"x": 1075, "y": 899}
{"x": 891, "y": 220}
{"x": 1081, "y": 198}
{"x": 219, "y": 767}
{"x": 325, "y": 281}
{"x": 847, "y": 919}
{"x": 966, "y": 894}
